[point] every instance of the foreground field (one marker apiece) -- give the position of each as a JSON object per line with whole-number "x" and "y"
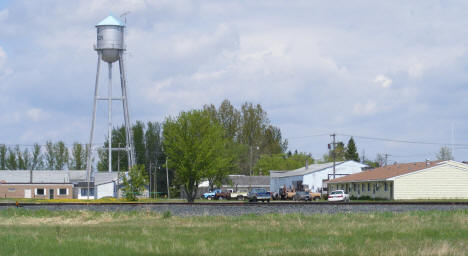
{"x": 25, "y": 232}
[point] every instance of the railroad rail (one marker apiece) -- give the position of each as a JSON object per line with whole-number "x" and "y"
{"x": 217, "y": 204}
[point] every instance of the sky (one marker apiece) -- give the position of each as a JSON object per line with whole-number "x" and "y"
{"x": 371, "y": 69}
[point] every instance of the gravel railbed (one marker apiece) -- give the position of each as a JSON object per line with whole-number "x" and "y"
{"x": 242, "y": 209}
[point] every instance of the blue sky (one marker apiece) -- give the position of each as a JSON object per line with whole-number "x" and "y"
{"x": 387, "y": 69}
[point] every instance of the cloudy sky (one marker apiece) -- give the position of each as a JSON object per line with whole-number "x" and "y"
{"x": 383, "y": 69}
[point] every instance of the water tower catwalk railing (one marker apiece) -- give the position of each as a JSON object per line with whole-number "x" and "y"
{"x": 110, "y": 48}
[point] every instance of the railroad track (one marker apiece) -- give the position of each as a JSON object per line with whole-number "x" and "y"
{"x": 218, "y": 204}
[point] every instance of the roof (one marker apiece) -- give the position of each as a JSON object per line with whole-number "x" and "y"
{"x": 105, "y": 177}
{"x": 386, "y": 172}
{"x": 11, "y": 176}
{"x": 244, "y": 180}
{"x": 303, "y": 171}
{"x": 55, "y": 176}
{"x": 111, "y": 21}
{"x": 84, "y": 184}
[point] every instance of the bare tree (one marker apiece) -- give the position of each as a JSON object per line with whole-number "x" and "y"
{"x": 444, "y": 154}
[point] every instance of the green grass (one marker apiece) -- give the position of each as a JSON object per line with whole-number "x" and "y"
{"x": 43, "y": 232}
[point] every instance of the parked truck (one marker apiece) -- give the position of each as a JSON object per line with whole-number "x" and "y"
{"x": 222, "y": 195}
{"x": 259, "y": 194}
{"x": 239, "y": 195}
{"x": 210, "y": 195}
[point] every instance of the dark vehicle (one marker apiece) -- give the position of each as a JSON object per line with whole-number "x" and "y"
{"x": 259, "y": 194}
{"x": 302, "y": 196}
{"x": 222, "y": 195}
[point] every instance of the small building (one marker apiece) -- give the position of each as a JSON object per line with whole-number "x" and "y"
{"x": 419, "y": 180}
{"x": 55, "y": 184}
{"x": 313, "y": 176}
{"x": 35, "y": 184}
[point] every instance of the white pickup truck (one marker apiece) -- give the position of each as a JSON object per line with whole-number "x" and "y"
{"x": 239, "y": 195}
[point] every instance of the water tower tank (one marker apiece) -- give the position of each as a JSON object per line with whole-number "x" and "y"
{"x": 110, "y": 38}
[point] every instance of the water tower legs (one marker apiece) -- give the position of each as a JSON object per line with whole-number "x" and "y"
{"x": 93, "y": 120}
{"x": 109, "y": 116}
{"x": 129, "y": 133}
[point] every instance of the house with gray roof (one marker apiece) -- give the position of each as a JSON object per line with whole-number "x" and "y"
{"x": 314, "y": 176}
{"x": 50, "y": 184}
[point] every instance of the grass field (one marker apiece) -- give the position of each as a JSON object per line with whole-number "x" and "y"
{"x": 41, "y": 232}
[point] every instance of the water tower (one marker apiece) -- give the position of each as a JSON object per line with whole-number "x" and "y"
{"x": 110, "y": 48}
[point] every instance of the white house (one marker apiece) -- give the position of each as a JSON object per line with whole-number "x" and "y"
{"x": 420, "y": 180}
{"x": 103, "y": 184}
{"x": 313, "y": 175}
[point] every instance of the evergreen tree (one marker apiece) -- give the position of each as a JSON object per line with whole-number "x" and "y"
{"x": 139, "y": 142}
{"x": 50, "y": 155}
{"x": 3, "y": 157}
{"x": 11, "y": 162}
{"x": 351, "y": 151}
{"x": 78, "y": 157}
{"x": 61, "y": 156}
{"x": 37, "y": 158}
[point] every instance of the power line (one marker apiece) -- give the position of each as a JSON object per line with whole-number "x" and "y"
{"x": 401, "y": 141}
{"x": 308, "y": 136}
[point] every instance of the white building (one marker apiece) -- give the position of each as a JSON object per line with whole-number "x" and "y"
{"x": 313, "y": 175}
{"x": 103, "y": 184}
{"x": 420, "y": 180}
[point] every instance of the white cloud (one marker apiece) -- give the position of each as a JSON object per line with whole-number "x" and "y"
{"x": 3, "y": 57}
{"x": 36, "y": 114}
{"x": 4, "y": 14}
{"x": 300, "y": 61}
{"x": 383, "y": 81}
{"x": 367, "y": 108}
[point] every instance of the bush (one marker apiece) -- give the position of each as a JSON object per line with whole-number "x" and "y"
{"x": 167, "y": 214}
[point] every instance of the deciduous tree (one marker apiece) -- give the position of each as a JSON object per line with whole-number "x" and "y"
{"x": 196, "y": 147}
{"x": 134, "y": 184}
{"x": 444, "y": 154}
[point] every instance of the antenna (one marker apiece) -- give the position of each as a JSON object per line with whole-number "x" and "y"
{"x": 124, "y": 16}
{"x": 453, "y": 139}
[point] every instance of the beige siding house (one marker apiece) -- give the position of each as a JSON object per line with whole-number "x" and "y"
{"x": 421, "y": 180}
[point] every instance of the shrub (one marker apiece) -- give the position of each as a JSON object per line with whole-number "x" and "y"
{"x": 167, "y": 214}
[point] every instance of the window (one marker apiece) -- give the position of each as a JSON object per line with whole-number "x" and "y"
{"x": 377, "y": 187}
{"x": 11, "y": 189}
{"x": 354, "y": 187}
{"x": 385, "y": 186}
{"x": 40, "y": 191}
{"x": 368, "y": 186}
{"x": 62, "y": 191}
{"x": 84, "y": 192}
{"x": 363, "y": 186}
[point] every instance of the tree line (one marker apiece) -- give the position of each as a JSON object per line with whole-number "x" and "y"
{"x": 51, "y": 156}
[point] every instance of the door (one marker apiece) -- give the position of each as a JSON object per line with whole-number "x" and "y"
{"x": 27, "y": 193}
{"x": 51, "y": 193}
{"x": 391, "y": 190}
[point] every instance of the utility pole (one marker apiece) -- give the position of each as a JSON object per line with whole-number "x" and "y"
{"x": 333, "y": 154}
{"x": 251, "y": 160}
{"x": 151, "y": 179}
{"x": 118, "y": 160}
{"x": 167, "y": 179}
{"x": 386, "y": 158}
{"x": 155, "y": 177}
